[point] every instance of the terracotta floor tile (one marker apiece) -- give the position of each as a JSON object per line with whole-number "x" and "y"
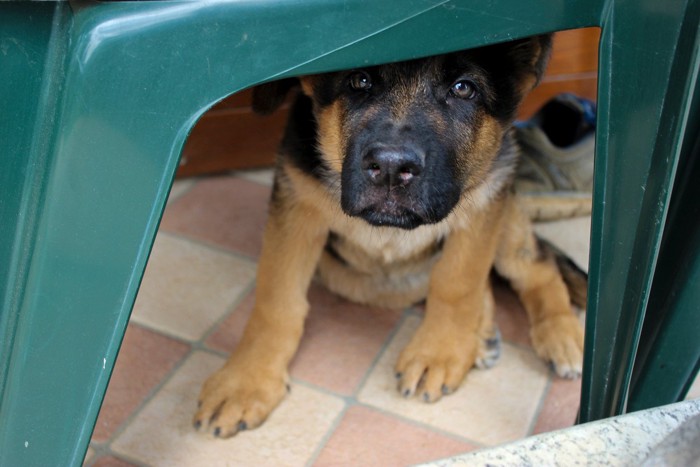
{"x": 226, "y": 336}
{"x": 227, "y": 211}
{"x": 144, "y": 360}
{"x": 491, "y": 407}
{"x": 179, "y": 188}
{"x": 188, "y": 287}
{"x": 89, "y": 456}
{"x": 369, "y": 438}
{"x": 162, "y": 433}
{"x": 511, "y": 317}
{"x": 560, "y": 406}
{"x": 341, "y": 339}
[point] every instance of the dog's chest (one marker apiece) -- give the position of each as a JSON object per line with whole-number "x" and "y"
{"x": 357, "y": 241}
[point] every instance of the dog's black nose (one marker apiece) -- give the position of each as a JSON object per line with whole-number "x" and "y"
{"x": 392, "y": 166}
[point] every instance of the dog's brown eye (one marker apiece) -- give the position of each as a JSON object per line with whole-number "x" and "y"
{"x": 360, "y": 81}
{"x": 463, "y": 89}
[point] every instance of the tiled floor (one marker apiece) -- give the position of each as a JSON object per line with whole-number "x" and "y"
{"x": 343, "y": 408}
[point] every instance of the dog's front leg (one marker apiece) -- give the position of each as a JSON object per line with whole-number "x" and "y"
{"x": 459, "y": 314}
{"x": 254, "y": 379}
{"x": 556, "y": 332}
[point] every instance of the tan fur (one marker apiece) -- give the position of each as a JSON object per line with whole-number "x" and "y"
{"x": 446, "y": 345}
{"x": 307, "y": 84}
{"x": 253, "y": 380}
{"x": 331, "y": 137}
{"x": 556, "y": 333}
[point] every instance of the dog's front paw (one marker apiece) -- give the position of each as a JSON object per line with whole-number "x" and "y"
{"x": 559, "y": 340}
{"x": 234, "y": 400}
{"x": 432, "y": 366}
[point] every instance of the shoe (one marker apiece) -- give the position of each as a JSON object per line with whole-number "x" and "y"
{"x": 554, "y": 178}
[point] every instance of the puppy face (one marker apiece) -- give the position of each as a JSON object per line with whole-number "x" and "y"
{"x": 409, "y": 140}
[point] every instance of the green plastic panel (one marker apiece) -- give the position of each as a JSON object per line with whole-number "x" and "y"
{"x": 669, "y": 350}
{"x": 641, "y": 126}
{"x": 102, "y": 96}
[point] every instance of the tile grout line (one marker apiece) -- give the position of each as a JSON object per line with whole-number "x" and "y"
{"x": 124, "y": 457}
{"x": 389, "y": 339}
{"x": 191, "y": 183}
{"x": 323, "y": 442}
{"x": 412, "y": 311}
{"x": 351, "y": 401}
{"x": 105, "y": 447}
{"x": 423, "y": 425}
{"x": 147, "y": 399}
{"x": 194, "y": 346}
{"x": 229, "y": 309}
{"x": 213, "y": 247}
{"x": 165, "y": 333}
{"x": 408, "y": 312}
{"x": 540, "y": 405}
{"x": 237, "y": 174}
{"x": 245, "y": 292}
{"x": 348, "y": 400}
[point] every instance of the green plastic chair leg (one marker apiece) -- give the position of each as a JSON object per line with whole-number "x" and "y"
{"x": 669, "y": 352}
{"x": 642, "y": 112}
{"x": 84, "y": 202}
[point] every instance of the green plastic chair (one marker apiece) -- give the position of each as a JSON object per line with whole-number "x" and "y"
{"x": 97, "y": 99}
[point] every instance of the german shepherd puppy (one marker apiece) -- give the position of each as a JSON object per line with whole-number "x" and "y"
{"x": 393, "y": 185}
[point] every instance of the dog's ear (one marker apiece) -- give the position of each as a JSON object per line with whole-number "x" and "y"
{"x": 269, "y": 96}
{"x": 531, "y": 55}
{"x": 541, "y": 51}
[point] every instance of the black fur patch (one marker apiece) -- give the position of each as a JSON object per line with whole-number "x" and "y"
{"x": 299, "y": 140}
{"x": 330, "y": 249}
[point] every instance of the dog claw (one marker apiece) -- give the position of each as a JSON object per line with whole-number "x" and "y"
{"x": 490, "y": 352}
